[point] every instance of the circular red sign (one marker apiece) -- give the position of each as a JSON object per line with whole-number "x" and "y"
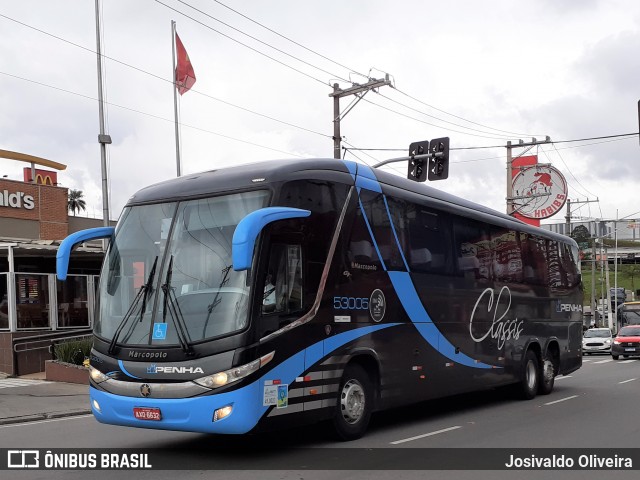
{"x": 539, "y": 191}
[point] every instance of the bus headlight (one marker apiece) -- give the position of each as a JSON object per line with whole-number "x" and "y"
{"x": 232, "y": 375}
{"x": 96, "y": 375}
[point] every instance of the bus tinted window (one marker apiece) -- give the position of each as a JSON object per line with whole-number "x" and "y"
{"x": 563, "y": 269}
{"x": 428, "y": 246}
{"x": 507, "y": 264}
{"x": 473, "y": 249}
{"x": 534, "y": 259}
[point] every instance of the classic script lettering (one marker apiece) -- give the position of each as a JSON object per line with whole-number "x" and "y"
{"x": 502, "y": 329}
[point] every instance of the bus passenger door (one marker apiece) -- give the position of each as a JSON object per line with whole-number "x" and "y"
{"x": 284, "y": 302}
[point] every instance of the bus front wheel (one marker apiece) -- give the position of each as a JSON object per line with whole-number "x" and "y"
{"x": 355, "y": 403}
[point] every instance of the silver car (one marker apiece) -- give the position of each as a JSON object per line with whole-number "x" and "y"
{"x": 597, "y": 340}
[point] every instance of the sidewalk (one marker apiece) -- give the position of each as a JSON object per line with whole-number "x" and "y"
{"x": 30, "y": 397}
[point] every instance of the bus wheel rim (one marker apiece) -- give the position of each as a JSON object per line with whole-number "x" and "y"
{"x": 352, "y": 401}
{"x": 548, "y": 371}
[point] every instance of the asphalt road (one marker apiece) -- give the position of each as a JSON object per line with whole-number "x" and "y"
{"x": 595, "y": 407}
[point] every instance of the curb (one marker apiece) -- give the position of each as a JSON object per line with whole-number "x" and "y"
{"x": 42, "y": 416}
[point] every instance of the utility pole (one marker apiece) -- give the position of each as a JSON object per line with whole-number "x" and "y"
{"x": 594, "y": 304}
{"x": 567, "y": 217}
{"x": 608, "y": 300}
{"x": 509, "y": 179}
{"x": 510, "y": 158}
{"x": 354, "y": 90}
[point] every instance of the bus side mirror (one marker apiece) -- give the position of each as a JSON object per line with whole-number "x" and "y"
{"x": 247, "y": 231}
{"x": 64, "y": 250}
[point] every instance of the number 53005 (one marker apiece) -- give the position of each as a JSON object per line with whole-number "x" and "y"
{"x": 350, "y": 303}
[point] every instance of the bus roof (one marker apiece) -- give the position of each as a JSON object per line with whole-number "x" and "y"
{"x": 252, "y": 175}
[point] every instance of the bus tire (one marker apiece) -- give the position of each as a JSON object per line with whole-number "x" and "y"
{"x": 527, "y": 387}
{"x": 547, "y": 376}
{"x": 355, "y": 403}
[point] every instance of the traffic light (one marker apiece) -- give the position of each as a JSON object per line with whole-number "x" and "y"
{"x": 418, "y": 167}
{"x": 439, "y": 162}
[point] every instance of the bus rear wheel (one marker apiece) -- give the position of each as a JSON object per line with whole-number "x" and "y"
{"x": 355, "y": 403}
{"x": 527, "y": 387}
{"x": 547, "y": 376}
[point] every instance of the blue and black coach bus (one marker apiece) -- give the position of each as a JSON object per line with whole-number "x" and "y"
{"x": 234, "y": 300}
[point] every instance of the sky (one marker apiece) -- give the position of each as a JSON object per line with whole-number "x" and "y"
{"x": 480, "y": 73}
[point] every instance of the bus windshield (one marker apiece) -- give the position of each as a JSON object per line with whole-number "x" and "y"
{"x": 168, "y": 279}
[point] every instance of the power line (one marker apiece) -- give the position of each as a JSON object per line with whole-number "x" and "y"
{"x": 164, "y": 79}
{"x": 544, "y": 152}
{"x": 288, "y": 39}
{"x": 427, "y": 123}
{"x": 259, "y": 41}
{"x": 366, "y": 76}
{"x": 325, "y": 71}
{"x": 150, "y": 115}
{"x": 436, "y": 118}
{"x": 616, "y": 138}
{"x": 570, "y": 172}
{"x": 243, "y": 44}
{"x": 462, "y": 118}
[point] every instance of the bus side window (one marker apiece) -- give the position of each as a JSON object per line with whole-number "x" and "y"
{"x": 283, "y": 280}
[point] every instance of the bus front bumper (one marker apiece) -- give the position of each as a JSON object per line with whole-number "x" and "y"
{"x": 194, "y": 414}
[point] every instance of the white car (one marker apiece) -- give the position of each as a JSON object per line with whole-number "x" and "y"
{"x": 597, "y": 340}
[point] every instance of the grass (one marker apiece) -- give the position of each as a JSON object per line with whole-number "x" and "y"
{"x": 628, "y": 278}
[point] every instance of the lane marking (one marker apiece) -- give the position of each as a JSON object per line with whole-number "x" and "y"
{"x": 604, "y": 361}
{"x": 563, "y": 377}
{"x": 19, "y": 382}
{"x": 444, "y": 430}
{"x": 627, "y": 381}
{"x": 628, "y": 361}
{"x": 562, "y": 400}
{"x": 35, "y": 422}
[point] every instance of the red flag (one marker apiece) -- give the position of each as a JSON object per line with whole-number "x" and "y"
{"x": 185, "y": 76}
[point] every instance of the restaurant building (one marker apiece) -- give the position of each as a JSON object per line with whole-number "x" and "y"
{"x": 36, "y": 309}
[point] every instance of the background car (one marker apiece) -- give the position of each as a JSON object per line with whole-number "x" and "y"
{"x": 627, "y": 342}
{"x": 597, "y": 340}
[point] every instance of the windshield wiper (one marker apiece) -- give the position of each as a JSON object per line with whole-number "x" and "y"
{"x": 216, "y": 299}
{"x": 171, "y": 305}
{"x": 143, "y": 293}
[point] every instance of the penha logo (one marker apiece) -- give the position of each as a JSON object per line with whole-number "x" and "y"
{"x": 153, "y": 368}
{"x": 16, "y": 200}
{"x": 568, "y": 307}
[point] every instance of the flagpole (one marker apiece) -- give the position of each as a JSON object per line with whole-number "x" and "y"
{"x": 103, "y": 138}
{"x": 175, "y": 94}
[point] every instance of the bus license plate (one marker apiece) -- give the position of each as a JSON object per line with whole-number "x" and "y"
{"x": 147, "y": 413}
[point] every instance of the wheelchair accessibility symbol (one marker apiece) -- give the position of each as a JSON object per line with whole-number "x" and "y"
{"x": 159, "y": 331}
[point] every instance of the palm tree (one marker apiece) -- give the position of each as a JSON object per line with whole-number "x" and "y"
{"x": 75, "y": 203}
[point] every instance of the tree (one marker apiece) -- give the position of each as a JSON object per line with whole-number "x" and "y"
{"x": 633, "y": 272}
{"x": 75, "y": 203}
{"x": 580, "y": 234}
